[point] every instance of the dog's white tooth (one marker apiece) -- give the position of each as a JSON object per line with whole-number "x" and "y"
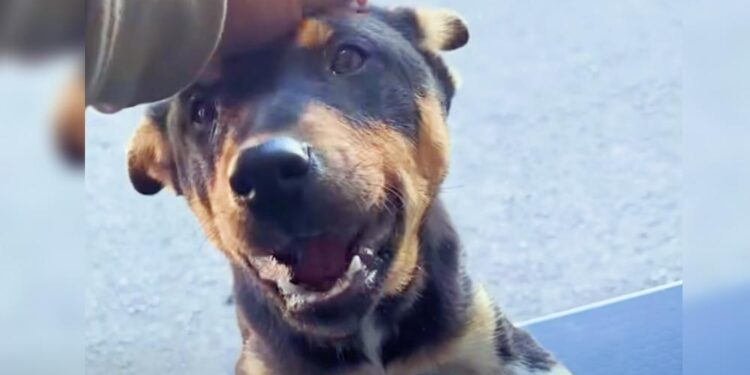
{"x": 295, "y": 300}
{"x": 287, "y": 287}
{"x": 311, "y": 297}
{"x": 368, "y": 251}
{"x": 355, "y": 266}
{"x": 341, "y": 284}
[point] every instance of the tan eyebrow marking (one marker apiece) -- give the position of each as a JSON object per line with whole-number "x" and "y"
{"x": 313, "y": 33}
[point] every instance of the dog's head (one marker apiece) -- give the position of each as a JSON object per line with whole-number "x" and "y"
{"x": 312, "y": 162}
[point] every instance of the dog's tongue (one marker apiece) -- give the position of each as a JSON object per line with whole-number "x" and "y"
{"x": 323, "y": 261}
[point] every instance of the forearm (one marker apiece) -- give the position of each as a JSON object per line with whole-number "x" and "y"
{"x": 140, "y": 51}
{"x": 158, "y": 47}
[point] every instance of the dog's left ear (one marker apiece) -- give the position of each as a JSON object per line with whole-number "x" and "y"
{"x": 148, "y": 155}
{"x": 440, "y": 29}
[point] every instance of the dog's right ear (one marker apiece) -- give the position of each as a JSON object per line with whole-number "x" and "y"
{"x": 148, "y": 154}
{"x": 441, "y": 29}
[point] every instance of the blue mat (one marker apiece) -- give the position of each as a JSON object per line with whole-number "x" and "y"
{"x": 640, "y": 334}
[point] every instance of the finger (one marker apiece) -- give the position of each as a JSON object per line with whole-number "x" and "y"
{"x": 252, "y": 23}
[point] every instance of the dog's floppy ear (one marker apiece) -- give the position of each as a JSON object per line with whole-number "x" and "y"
{"x": 148, "y": 155}
{"x": 440, "y": 29}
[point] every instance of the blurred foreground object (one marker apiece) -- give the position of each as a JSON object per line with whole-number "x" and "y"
{"x": 69, "y": 122}
{"x": 41, "y": 229}
{"x": 717, "y": 208}
{"x": 40, "y": 27}
{"x": 133, "y": 52}
{"x": 135, "y": 49}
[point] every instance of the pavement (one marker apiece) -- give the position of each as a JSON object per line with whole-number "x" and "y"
{"x": 41, "y": 227}
{"x": 565, "y": 185}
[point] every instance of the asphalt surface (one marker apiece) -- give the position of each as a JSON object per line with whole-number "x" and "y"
{"x": 41, "y": 224}
{"x": 564, "y": 185}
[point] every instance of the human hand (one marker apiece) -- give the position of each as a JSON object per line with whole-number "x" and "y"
{"x": 252, "y": 23}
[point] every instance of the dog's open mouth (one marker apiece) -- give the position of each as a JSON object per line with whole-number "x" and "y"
{"x": 326, "y": 268}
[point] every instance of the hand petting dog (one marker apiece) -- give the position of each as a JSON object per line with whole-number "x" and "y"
{"x": 250, "y": 23}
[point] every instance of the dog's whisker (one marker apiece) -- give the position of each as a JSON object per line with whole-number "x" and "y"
{"x": 455, "y": 187}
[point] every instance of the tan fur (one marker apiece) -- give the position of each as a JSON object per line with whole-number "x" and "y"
{"x": 313, "y": 33}
{"x": 455, "y": 77}
{"x": 148, "y": 153}
{"x": 353, "y": 157}
{"x": 205, "y": 218}
{"x": 249, "y": 364}
{"x": 438, "y": 28}
{"x": 471, "y": 353}
{"x": 229, "y": 220}
{"x": 426, "y": 172}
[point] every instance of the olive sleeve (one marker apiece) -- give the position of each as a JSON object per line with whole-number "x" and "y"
{"x": 136, "y": 51}
{"x": 140, "y": 51}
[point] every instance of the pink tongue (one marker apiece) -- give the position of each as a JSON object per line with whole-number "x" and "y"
{"x": 321, "y": 264}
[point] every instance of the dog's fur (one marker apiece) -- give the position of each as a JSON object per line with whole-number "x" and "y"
{"x": 381, "y": 134}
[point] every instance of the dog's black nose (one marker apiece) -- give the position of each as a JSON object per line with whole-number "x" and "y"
{"x": 274, "y": 170}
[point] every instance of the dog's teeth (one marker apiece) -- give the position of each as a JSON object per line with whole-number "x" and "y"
{"x": 356, "y": 263}
{"x": 354, "y": 267}
{"x": 287, "y": 288}
{"x": 368, "y": 251}
{"x": 296, "y": 294}
{"x": 340, "y": 285}
{"x": 270, "y": 269}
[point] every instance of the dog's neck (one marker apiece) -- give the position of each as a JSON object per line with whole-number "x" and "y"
{"x": 431, "y": 310}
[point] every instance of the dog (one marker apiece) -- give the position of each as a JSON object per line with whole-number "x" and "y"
{"x": 314, "y": 165}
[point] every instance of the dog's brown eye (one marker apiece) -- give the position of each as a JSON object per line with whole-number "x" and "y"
{"x": 348, "y": 59}
{"x": 204, "y": 112}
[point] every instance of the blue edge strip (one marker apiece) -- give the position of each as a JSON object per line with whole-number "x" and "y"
{"x": 640, "y": 334}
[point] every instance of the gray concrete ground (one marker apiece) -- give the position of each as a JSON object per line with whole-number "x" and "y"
{"x": 564, "y": 185}
{"x": 41, "y": 221}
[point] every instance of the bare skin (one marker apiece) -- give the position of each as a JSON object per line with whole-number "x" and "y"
{"x": 251, "y": 23}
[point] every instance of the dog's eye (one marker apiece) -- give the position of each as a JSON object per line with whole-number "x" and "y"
{"x": 348, "y": 59}
{"x": 204, "y": 112}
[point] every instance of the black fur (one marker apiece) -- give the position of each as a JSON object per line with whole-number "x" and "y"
{"x": 515, "y": 345}
{"x": 431, "y": 312}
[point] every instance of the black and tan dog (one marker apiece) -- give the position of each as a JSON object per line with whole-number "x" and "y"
{"x": 315, "y": 166}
